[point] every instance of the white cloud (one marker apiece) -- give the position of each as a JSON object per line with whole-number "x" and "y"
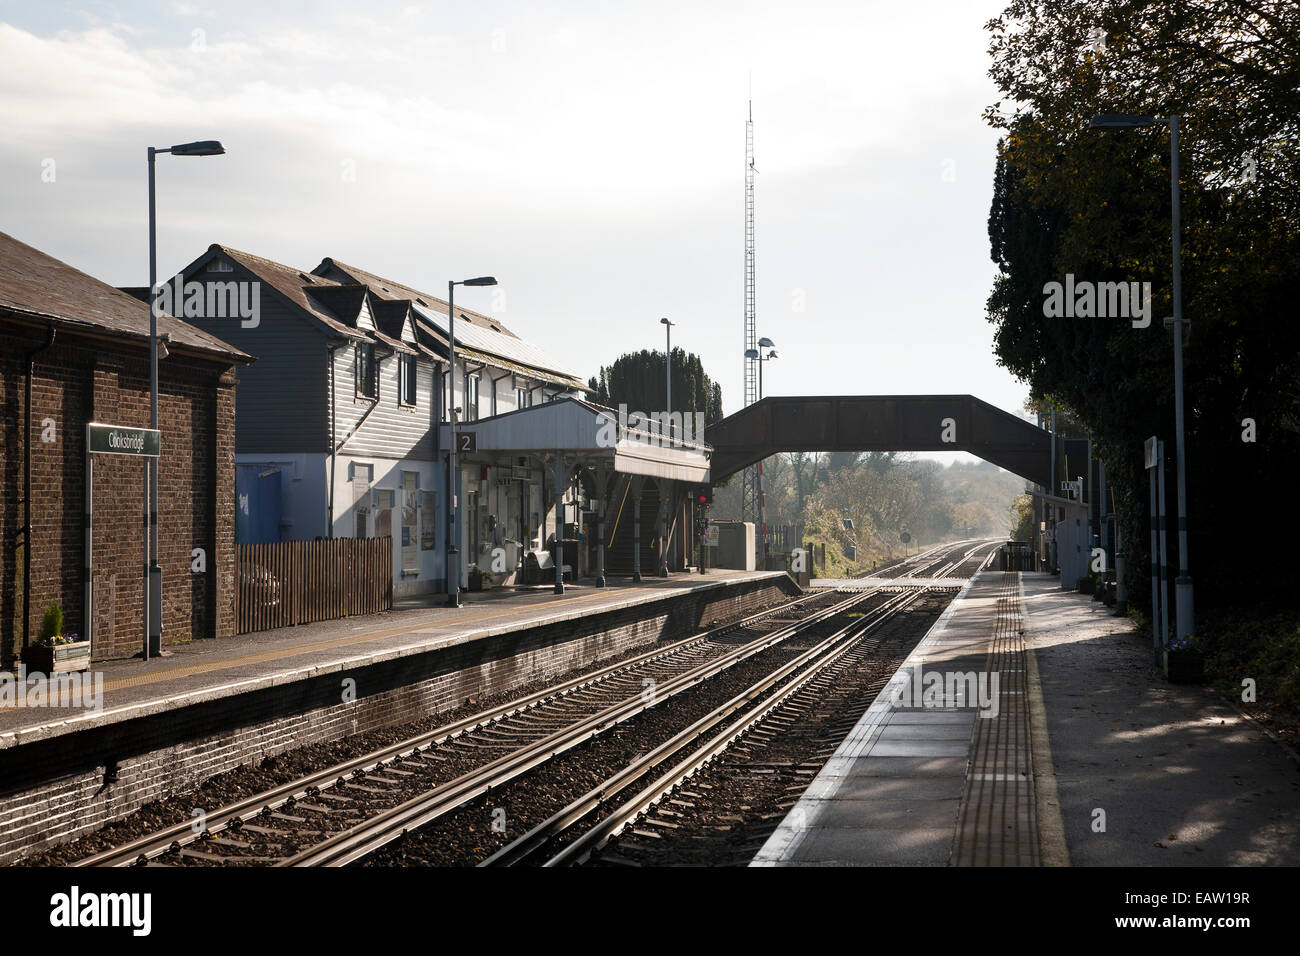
{"x": 593, "y": 158}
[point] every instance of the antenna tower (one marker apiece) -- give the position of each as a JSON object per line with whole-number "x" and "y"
{"x": 750, "y": 495}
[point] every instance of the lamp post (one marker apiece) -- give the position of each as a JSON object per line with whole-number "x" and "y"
{"x": 1185, "y": 603}
{"x": 763, "y": 343}
{"x": 668, "y": 374}
{"x": 453, "y": 501}
{"x": 152, "y": 610}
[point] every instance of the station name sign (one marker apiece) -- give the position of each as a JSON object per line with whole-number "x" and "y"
{"x": 120, "y": 440}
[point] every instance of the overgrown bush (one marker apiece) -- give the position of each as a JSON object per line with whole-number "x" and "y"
{"x": 1264, "y": 648}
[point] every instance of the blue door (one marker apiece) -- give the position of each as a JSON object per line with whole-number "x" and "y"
{"x": 257, "y": 504}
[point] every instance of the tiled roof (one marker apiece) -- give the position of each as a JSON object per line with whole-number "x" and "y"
{"x": 290, "y": 282}
{"x": 388, "y": 289}
{"x": 488, "y": 339}
{"x": 35, "y": 284}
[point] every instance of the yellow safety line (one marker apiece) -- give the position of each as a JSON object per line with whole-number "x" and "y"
{"x": 268, "y": 655}
{"x": 1052, "y": 848}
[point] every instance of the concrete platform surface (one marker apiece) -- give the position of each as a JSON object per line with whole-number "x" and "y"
{"x": 1176, "y": 775}
{"x": 1121, "y": 767}
{"x": 892, "y": 795}
{"x": 209, "y": 669}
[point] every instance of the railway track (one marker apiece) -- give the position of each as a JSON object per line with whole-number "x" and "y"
{"x": 813, "y": 683}
{"x": 346, "y": 812}
{"x": 249, "y": 831}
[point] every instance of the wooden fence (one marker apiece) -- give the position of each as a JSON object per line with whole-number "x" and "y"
{"x": 296, "y": 582}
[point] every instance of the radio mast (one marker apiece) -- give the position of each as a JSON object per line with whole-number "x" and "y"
{"x": 751, "y": 492}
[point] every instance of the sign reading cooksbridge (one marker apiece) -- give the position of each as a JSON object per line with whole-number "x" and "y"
{"x": 119, "y": 440}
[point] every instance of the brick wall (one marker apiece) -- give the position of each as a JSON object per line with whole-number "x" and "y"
{"x": 77, "y": 381}
{"x": 54, "y": 790}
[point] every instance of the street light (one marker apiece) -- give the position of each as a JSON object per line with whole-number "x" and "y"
{"x": 453, "y": 503}
{"x": 763, "y": 343}
{"x": 668, "y": 373}
{"x": 1183, "y": 585}
{"x": 152, "y": 572}
{"x": 756, "y": 354}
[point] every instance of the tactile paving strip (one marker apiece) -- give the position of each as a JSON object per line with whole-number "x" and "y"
{"x": 998, "y": 824}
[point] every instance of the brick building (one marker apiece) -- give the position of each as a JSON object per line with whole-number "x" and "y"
{"x": 85, "y": 345}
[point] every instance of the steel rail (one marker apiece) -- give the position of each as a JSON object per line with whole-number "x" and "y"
{"x": 831, "y": 648}
{"x": 595, "y": 837}
{"x": 359, "y": 841}
{"x": 161, "y": 841}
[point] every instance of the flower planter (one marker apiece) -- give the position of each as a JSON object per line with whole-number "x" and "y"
{"x": 1184, "y": 667}
{"x": 59, "y": 659}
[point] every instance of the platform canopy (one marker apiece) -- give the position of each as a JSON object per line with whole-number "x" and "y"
{"x": 589, "y": 434}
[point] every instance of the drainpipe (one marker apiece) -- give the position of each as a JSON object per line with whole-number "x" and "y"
{"x": 27, "y": 488}
{"x": 500, "y": 378}
{"x": 330, "y": 349}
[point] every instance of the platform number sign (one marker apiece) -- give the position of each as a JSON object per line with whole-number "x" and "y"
{"x": 466, "y": 442}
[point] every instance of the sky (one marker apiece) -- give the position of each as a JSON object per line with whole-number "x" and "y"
{"x": 589, "y": 155}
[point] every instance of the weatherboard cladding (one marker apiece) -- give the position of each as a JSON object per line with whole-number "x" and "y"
{"x": 383, "y": 427}
{"x": 283, "y": 397}
{"x": 285, "y": 403}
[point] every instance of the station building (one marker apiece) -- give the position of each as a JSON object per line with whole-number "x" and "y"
{"x": 74, "y": 350}
{"x": 343, "y": 430}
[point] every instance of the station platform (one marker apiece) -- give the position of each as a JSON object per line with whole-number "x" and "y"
{"x": 1079, "y": 753}
{"x": 204, "y": 671}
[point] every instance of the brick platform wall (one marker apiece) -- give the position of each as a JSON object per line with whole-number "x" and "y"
{"x": 54, "y": 790}
{"x": 77, "y": 381}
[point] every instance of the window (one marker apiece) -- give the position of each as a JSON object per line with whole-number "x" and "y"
{"x": 361, "y": 478}
{"x": 471, "y": 398}
{"x": 523, "y": 398}
{"x": 219, "y": 265}
{"x": 428, "y": 520}
{"x": 385, "y": 501}
{"x": 410, "y": 523}
{"x": 407, "y": 392}
{"x": 365, "y": 371}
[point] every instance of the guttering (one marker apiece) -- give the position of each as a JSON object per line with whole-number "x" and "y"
{"x": 29, "y": 361}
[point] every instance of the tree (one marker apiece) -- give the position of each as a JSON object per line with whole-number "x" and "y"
{"x": 1022, "y": 518}
{"x": 1070, "y": 200}
{"x": 637, "y": 380}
